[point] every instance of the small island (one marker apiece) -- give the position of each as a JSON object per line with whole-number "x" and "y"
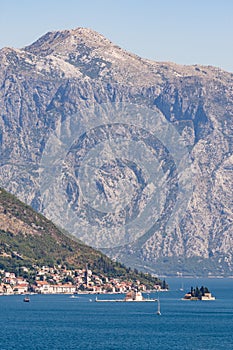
{"x": 132, "y": 295}
{"x": 202, "y": 293}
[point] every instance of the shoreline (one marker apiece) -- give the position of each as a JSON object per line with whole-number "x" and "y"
{"x": 84, "y": 293}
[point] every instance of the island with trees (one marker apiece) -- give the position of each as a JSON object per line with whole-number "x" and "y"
{"x": 202, "y": 293}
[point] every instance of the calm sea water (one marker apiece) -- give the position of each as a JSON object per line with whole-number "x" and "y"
{"x": 59, "y": 322}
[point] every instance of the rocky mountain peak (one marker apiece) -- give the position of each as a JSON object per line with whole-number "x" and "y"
{"x": 59, "y": 42}
{"x": 97, "y": 57}
{"x": 60, "y": 76}
{"x": 63, "y": 43}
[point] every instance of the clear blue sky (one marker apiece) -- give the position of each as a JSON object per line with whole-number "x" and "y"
{"x": 182, "y": 31}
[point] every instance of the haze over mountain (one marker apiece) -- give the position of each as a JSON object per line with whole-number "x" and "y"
{"x": 73, "y": 96}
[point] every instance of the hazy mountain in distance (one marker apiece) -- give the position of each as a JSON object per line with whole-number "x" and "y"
{"x": 73, "y": 97}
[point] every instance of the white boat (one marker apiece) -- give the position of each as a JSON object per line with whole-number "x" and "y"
{"x": 73, "y": 296}
{"x": 26, "y": 299}
{"x": 158, "y": 309}
{"x": 182, "y": 283}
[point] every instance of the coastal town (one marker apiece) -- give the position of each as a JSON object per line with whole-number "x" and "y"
{"x": 60, "y": 280}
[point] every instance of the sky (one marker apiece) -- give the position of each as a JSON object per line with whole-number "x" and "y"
{"x": 181, "y": 31}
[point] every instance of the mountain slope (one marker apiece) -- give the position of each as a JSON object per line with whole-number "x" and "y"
{"x": 28, "y": 238}
{"x": 67, "y": 80}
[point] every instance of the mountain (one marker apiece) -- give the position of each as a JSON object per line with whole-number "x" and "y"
{"x": 27, "y": 238}
{"x": 133, "y": 157}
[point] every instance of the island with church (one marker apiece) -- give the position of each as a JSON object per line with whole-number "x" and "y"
{"x": 202, "y": 293}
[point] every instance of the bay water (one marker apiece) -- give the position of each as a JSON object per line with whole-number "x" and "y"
{"x": 59, "y": 322}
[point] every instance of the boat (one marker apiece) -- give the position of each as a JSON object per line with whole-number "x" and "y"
{"x": 182, "y": 283}
{"x": 182, "y": 287}
{"x": 74, "y": 296}
{"x": 158, "y": 309}
{"x": 26, "y": 299}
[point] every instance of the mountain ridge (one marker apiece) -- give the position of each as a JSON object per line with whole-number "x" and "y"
{"x": 39, "y": 91}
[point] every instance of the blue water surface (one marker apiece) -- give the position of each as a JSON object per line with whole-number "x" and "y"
{"x": 58, "y": 322}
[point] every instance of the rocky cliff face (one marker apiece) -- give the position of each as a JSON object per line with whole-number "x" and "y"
{"x": 132, "y": 156}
